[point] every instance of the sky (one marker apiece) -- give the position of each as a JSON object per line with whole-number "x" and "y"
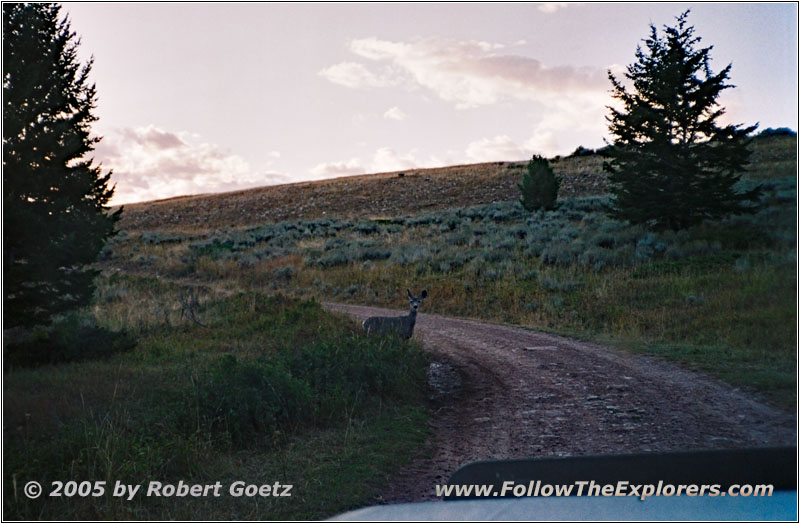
{"x": 212, "y": 97}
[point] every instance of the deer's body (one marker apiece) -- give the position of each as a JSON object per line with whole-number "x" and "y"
{"x": 402, "y": 326}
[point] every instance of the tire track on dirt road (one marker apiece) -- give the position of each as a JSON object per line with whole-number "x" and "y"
{"x": 519, "y": 394}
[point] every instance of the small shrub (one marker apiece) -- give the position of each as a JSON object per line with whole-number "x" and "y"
{"x": 335, "y": 243}
{"x": 534, "y": 250}
{"x": 603, "y": 240}
{"x": 250, "y": 400}
{"x": 408, "y": 255}
{"x": 502, "y": 215}
{"x": 597, "y": 258}
{"x": 518, "y": 231}
{"x": 494, "y": 255}
{"x": 71, "y": 339}
{"x": 558, "y": 254}
{"x": 332, "y": 259}
{"x": 283, "y": 273}
{"x": 539, "y": 187}
{"x": 213, "y": 248}
{"x": 461, "y": 238}
{"x": 373, "y": 253}
{"x": 366, "y": 228}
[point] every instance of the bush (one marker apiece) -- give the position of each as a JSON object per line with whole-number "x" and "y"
{"x": 332, "y": 259}
{"x": 597, "y": 258}
{"x": 558, "y": 254}
{"x": 314, "y": 385}
{"x": 315, "y": 371}
{"x": 248, "y": 400}
{"x": 71, "y": 339}
{"x": 283, "y": 273}
{"x": 409, "y": 255}
{"x": 539, "y": 187}
{"x": 372, "y": 253}
{"x": 347, "y": 374}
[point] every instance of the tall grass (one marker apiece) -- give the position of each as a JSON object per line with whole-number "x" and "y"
{"x": 248, "y": 389}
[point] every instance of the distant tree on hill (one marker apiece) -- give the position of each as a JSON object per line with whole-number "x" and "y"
{"x": 781, "y": 131}
{"x": 583, "y": 151}
{"x": 539, "y": 187}
{"x": 671, "y": 164}
{"x": 55, "y": 219}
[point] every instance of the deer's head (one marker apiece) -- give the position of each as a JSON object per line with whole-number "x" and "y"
{"x": 416, "y": 301}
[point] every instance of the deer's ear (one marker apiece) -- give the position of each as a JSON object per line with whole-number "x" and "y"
{"x": 424, "y": 293}
{"x": 409, "y": 293}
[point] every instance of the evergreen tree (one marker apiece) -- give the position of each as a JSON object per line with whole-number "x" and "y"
{"x": 539, "y": 187}
{"x": 671, "y": 164}
{"x": 55, "y": 219}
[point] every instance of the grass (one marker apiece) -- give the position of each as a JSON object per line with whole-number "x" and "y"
{"x": 253, "y": 388}
{"x": 237, "y": 373}
{"x": 727, "y": 284}
{"x": 377, "y": 196}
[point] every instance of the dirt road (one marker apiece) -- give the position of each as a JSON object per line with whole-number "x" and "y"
{"x": 503, "y": 392}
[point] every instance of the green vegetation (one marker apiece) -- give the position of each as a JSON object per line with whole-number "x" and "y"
{"x": 72, "y": 338}
{"x": 722, "y": 287}
{"x": 240, "y": 387}
{"x": 539, "y": 187}
{"x": 237, "y": 373}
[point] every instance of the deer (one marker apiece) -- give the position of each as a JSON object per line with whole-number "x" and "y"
{"x": 403, "y": 326}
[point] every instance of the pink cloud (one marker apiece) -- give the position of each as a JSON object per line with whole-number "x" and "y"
{"x": 469, "y": 73}
{"x": 149, "y": 163}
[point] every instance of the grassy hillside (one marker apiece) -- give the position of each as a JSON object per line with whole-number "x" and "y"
{"x": 390, "y": 194}
{"x": 719, "y": 297}
{"x": 380, "y": 195}
{"x": 220, "y": 295}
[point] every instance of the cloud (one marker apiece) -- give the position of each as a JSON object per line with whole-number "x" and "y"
{"x": 387, "y": 159}
{"x": 394, "y": 113}
{"x": 551, "y": 7}
{"x": 335, "y": 169}
{"x": 383, "y": 160}
{"x": 152, "y": 136}
{"x": 489, "y": 149}
{"x": 544, "y": 142}
{"x": 561, "y": 100}
{"x": 352, "y": 74}
{"x": 467, "y": 73}
{"x": 494, "y": 149}
{"x": 151, "y": 163}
